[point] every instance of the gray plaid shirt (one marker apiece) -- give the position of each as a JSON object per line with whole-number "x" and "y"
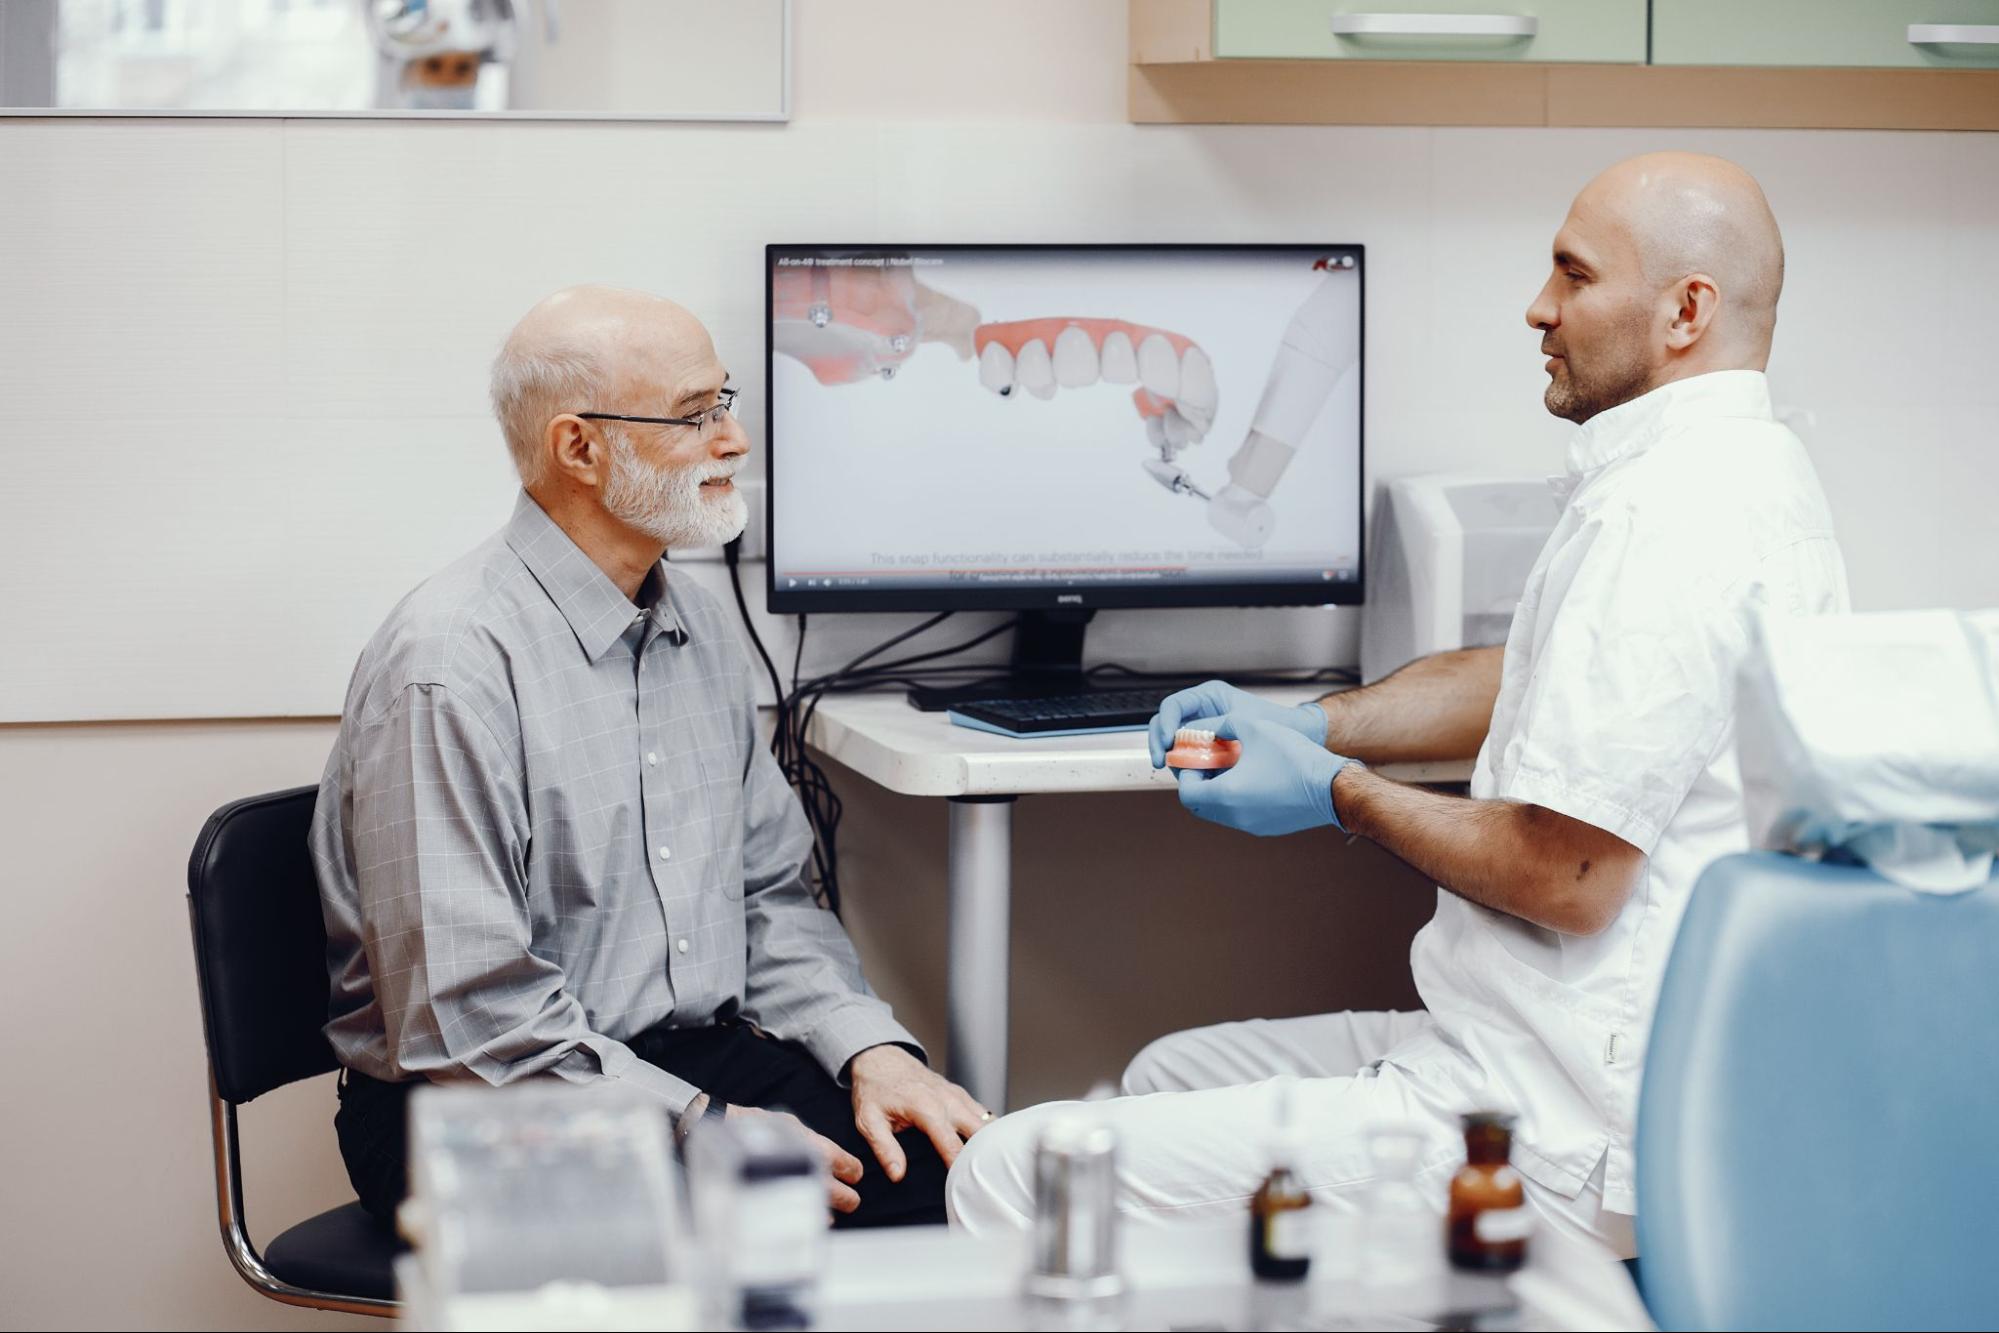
{"x": 548, "y": 824}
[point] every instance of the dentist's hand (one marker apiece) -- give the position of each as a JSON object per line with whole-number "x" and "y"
{"x": 1211, "y": 699}
{"x": 1282, "y": 783}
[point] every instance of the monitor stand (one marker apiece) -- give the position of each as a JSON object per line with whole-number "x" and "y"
{"x": 1047, "y": 660}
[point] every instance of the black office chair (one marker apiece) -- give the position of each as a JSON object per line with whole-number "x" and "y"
{"x": 260, "y": 960}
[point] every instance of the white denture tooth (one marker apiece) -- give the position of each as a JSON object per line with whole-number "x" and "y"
{"x": 1180, "y": 432}
{"x": 1075, "y": 359}
{"x": 1155, "y": 431}
{"x": 1200, "y": 420}
{"x": 996, "y": 367}
{"x": 1158, "y": 366}
{"x": 1034, "y": 370}
{"x": 1197, "y": 384}
{"x": 1120, "y": 362}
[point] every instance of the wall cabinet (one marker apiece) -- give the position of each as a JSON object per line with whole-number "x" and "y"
{"x": 1604, "y": 31}
{"x": 1874, "y": 34}
{"x": 1833, "y": 64}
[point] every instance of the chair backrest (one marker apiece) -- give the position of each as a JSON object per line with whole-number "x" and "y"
{"x": 260, "y": 944}
{"x": 1818, "y": 1133}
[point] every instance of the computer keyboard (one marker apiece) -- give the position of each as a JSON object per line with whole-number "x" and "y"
{"x": 1063, "y": 714}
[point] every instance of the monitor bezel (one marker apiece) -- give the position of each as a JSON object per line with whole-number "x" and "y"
{"x": 1351, "y": 592}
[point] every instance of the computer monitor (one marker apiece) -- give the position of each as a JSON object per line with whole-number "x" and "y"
{"x": 1062, "y": 428}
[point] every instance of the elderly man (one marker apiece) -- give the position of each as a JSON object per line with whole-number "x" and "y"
{"x": 549, "y": 841}
{"x": 1604, "y": 733}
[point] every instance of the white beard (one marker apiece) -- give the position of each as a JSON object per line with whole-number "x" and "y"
{"x": 668, "y": 504}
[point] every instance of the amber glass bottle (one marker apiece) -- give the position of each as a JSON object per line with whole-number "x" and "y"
{"x": 1280, "y": 1219}
{"x": 1488, "y": 1221}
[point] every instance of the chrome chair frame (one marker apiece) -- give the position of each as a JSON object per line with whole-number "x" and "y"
{"x": 243, "y": 1255}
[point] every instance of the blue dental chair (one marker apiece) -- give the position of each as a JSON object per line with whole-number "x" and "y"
{"x": 1818, "y": 1132}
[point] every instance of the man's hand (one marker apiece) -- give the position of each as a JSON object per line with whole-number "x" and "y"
{"x": 894, "y": 1090}
{"x": 1282, "y": 783}
{"x": 843, "y": 1169}
{"x": 1213, "y": 698}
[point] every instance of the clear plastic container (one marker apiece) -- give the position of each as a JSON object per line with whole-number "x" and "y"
{"x": 541, "y": 1188}
{"x": 1403, "y": 1231}
{"x": 760, "y": 1211}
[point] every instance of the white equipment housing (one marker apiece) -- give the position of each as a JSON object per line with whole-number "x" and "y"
{"x": 1447, "y": 560}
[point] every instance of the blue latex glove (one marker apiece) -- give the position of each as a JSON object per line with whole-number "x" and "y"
{"x": 1211, "y": 699}
{"x": 1281, "y": 784}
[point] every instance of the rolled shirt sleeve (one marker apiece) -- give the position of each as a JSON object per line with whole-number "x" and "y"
{"x": 439, "y": 837}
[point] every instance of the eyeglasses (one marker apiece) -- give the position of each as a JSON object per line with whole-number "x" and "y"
{"x": 707, "y": 421}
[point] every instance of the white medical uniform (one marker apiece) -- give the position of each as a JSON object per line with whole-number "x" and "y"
{"x": 1685, "y": 510}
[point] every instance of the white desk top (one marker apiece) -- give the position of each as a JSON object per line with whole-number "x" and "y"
{"x": 1196, "y": 1275}
{"x": 1187, "y": 1275}
{"x": 885, "y": 740}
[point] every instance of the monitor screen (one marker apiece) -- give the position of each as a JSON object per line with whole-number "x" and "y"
{"x": 966, "y": 427}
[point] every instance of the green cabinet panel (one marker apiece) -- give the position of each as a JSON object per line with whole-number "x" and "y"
{"x": 1822, "y": 33}
{"x": 1600, "y": 31}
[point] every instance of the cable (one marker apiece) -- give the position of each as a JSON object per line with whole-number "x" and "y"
{"x": 887, "y": 644}
{"x": 848, "y": 673}
{"x": 798, "y": 706}
{"x": 1317, "y": 676}
{"x": 798, "y": 653}
{"x": 781, "y": 739}
{"x": 731, "y": 553}
{"x": 796, "y": 710}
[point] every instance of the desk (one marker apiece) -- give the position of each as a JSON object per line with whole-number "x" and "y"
{"x": 886, "y": 741}
{"x": 1188, "y": 1275}
{"x": 1196, "y": 1275}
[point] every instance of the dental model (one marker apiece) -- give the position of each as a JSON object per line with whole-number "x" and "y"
{"x": 1194, "y": 747}
{"x": 850, "y": 324}
{"x": 1175, "y": 391}
{"x": 1320, "y": 345}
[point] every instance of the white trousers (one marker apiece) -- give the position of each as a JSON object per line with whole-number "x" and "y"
{"x": 1194, "y": 1125}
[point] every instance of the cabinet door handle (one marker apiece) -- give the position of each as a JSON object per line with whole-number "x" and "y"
{"x": 1954, "y": 34}
{"x": 1438, "y": 25}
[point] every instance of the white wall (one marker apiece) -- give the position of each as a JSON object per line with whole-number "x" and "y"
{"x": 237, "y": 331}
{"x": 174, "y": 297}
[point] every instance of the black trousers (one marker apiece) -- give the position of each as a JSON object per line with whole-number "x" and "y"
{"x": 731, "y": 1061}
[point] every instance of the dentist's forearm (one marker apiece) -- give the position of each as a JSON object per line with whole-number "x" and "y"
{"x": 1524, "y": 860}
{"x": 1437, "y": 707}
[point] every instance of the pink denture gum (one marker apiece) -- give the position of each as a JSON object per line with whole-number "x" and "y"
{"x": 1195, "y": 748}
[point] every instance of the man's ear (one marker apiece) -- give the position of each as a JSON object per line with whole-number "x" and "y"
{"x": 1695, "y": 301}
{"x": 577, "y": 450}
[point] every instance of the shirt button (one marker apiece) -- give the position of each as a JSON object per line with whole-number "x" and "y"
{"x": 666, "y": 853}
{"x": 651, "y": 757}
{"x": 680, "y": 945}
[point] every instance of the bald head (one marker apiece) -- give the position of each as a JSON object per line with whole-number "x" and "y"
{"x": 617, "y": 412}
{"x": 1687, "y": 213}
{"x": 1668, "y": 265}
{"x": 593, "y": 349}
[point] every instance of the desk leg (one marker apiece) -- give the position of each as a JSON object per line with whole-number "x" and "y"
{"x": 981, "y": 878}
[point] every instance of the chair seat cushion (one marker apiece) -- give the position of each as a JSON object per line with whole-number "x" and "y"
{"x": 344, "y": 1252}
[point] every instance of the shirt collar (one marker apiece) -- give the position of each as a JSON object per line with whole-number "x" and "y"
{"x": 597, "y": 612}
{"x": 1629, "y": 429}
